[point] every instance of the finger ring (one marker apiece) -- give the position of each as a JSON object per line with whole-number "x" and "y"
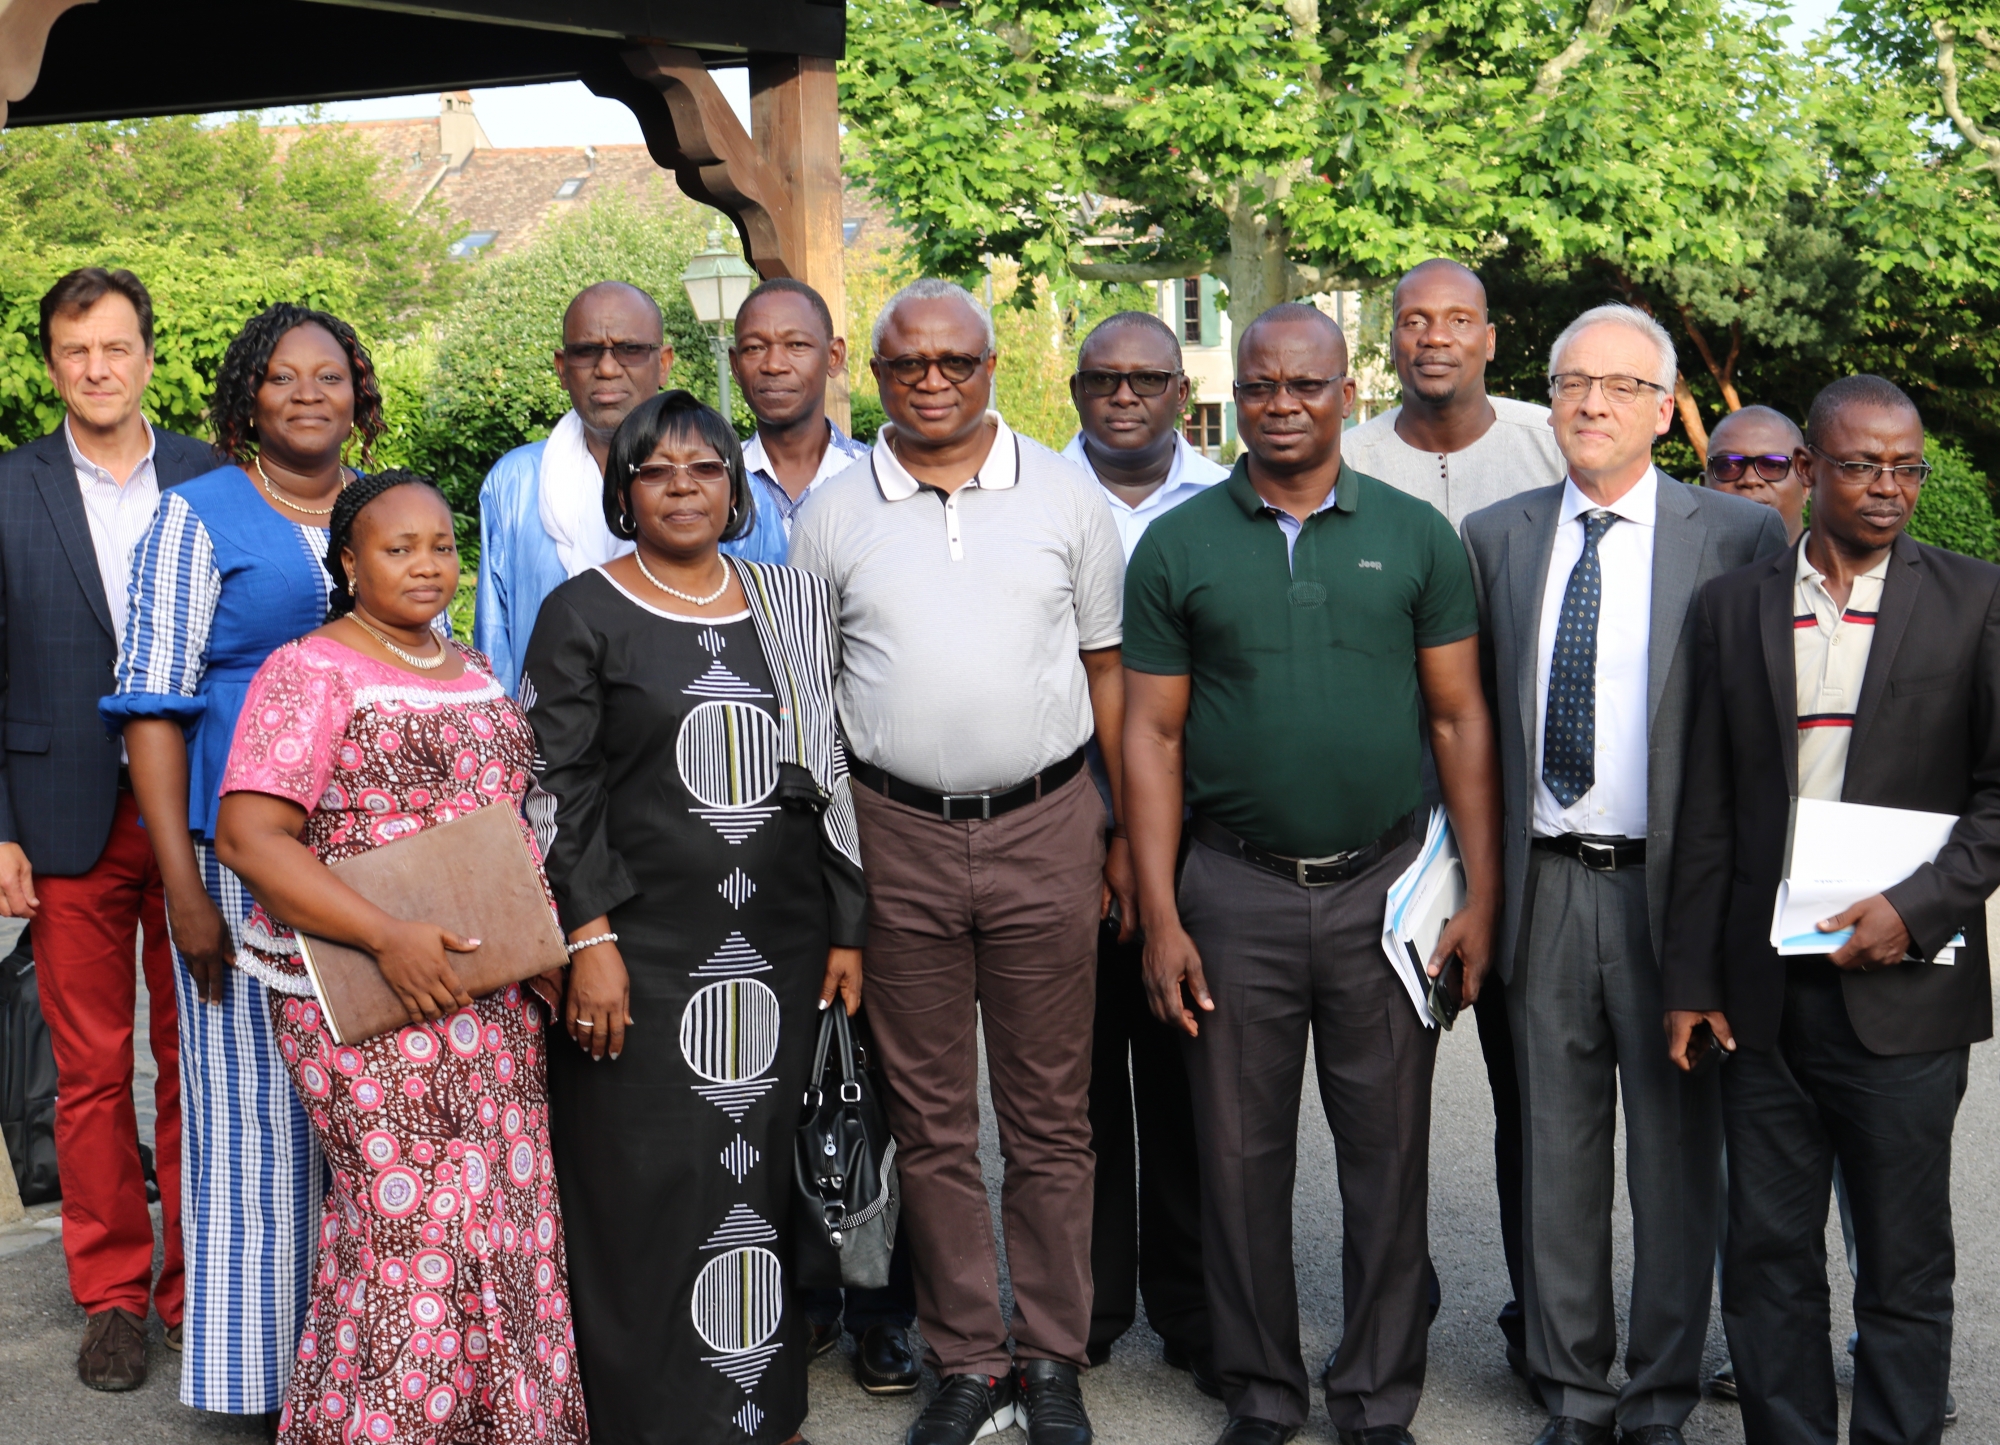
{"x": 585, "y": 1024}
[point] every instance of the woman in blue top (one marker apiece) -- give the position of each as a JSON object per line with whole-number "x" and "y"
{"x": 231, "y": 571}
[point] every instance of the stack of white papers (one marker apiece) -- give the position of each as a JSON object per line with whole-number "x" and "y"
{"x": 1419, "y": 905}
{"x": 1841, "y": 853}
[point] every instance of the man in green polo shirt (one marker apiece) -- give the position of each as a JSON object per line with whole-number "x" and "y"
{"x": 1280, "y": 630}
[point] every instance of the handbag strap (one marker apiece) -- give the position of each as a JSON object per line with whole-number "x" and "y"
{"x": 816, "y": 1081}
{"x": 850, "y": 1082}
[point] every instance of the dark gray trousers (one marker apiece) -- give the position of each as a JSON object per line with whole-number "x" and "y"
{"x": 1284, "y": 963}
{"x": 1586, "y": 1009}
{"x": 1792, "y": 1111}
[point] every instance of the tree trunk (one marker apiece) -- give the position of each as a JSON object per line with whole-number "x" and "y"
{"x": 1691, "y": 418}
{"x": 1257, "y": 271}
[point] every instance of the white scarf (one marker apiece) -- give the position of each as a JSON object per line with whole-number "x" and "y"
{"x": 572, "y": 500}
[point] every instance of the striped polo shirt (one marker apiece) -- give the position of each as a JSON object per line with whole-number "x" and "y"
{"x": 1830, "y": 650}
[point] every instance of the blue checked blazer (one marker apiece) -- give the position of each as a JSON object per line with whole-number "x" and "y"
{"x": 59, "y": 768}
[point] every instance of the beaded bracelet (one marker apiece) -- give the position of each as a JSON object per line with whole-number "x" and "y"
{"x": 592, "y": 942}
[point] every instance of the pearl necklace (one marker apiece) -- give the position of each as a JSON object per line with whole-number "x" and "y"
{"x": 426, "y": 663}
{"x": 284, "y": 501}
{"x": 675, "y": 591}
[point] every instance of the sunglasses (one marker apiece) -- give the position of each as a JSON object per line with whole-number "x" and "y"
{"x": 628, "y": 353}
{"x": 1143, "y": 383}
{"x": 1305, "y": 388}
{"x": 1730, "y": 466}
{"x": 955, "y": 366}
{"x": 658, "y": 474}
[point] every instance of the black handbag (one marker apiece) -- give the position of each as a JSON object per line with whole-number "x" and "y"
{"x": 844, "y": 1167}
{"x": 27, "y": 1079}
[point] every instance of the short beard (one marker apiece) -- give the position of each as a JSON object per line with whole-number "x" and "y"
{"x": 1417, "y": 388}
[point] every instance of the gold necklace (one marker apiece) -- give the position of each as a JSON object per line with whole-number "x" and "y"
{"x": 675, "y": 591}
{"x": 284, "y": 501}
{"x": 426, "y": 663}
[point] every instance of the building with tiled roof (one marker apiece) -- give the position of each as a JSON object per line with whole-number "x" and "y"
{"x": 497, "y": 197}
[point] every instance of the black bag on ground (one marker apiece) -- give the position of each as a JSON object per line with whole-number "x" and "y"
{"x": 27, "y": 1079}
{"x": 844, "y": 1166}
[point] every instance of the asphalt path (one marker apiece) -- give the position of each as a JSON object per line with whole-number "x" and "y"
{"x": 1470, "y": 1398}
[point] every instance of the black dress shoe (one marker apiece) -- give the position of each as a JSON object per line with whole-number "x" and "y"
{"x": 1652, "y": 1435}
{"x": 1568, "y": 1430}
{"x": 1180, "y": 1357}
{"x": 824, "y": 1338}
{"x": 1378, "y": 1435}
{"x": 884, "y": 1362}
{"x": 1052, "y": 1403}
{"x": 1249, "y": 1430}
{"x": 967, "y": 1408}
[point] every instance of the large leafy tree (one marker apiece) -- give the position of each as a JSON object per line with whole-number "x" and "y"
{"x": 1284, "y": 145}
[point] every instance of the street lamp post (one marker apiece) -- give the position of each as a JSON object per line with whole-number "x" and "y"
{"x": 717, "y": 281}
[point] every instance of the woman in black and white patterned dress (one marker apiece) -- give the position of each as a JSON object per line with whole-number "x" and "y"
{"x": 694, "y": 804}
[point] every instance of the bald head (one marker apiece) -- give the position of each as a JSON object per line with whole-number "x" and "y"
{"x": 1753, "y": 453}
{"x": 1756, "y": 430}
{"x": 614, "y": 296}
{"x": 1290, "y": 316}
{"x": 1462, "y": 283}
{"x": 614, "y": 355}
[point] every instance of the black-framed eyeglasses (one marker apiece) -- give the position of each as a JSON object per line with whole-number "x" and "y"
{"x": 1143, "y": 383}
{"x": 1574, "y": 386}
{"x": 1770, "y": 467}
{"x": 658, "y": 474}
{"x": 1305, "y": 388}
{"x": 627, "y": 353}
{"x": 954, "y": 366}
{"x": 1864, "y": 473}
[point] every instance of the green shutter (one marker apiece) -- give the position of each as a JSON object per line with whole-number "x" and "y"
{"x": 1228, "y": 422}
{"x": 1211, "y": 329}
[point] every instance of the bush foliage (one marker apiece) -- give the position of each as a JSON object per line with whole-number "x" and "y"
{"x": 1955, "y": 507}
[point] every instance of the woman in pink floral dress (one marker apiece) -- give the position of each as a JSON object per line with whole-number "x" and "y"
{"x": 440, "y": 1308}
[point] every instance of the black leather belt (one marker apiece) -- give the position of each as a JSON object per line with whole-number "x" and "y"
{"x": 965, "y": 807}
{"x": 1601, "y": 855}
{"x": 1306, "y": 872}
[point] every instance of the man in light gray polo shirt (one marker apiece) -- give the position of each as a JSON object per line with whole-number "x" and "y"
{"x": 1460, "y": 450}
{"x": 980, "y": 587}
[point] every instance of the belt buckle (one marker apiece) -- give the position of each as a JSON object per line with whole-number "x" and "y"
{"x": 947, "y": 799}
{"x": 1599, "y": 857}
{"x": 1331, "y": 860}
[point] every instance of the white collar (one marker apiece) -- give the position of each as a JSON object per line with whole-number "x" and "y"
{"x": 995, "y": 474}
{"x": 1639, "y": 504}
{"x": 85, "y": 467}
{"x": 831, "y": 461}
{"x": 1190, "y": 468}
{"x": 1808, "y": 572}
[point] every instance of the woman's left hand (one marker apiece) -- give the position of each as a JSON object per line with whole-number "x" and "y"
{"x": 843, "y": 977}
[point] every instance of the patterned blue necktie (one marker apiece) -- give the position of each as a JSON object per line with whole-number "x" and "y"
{"x": 1569, "y": 729}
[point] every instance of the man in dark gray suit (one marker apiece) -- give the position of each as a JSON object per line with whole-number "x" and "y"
{"x": 1585, "y": 590}
{"x": 73, "y": 857}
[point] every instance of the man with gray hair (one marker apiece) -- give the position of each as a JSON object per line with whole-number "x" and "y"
{"x": 981, "y": 646}
{"x": 1585, "y": 589}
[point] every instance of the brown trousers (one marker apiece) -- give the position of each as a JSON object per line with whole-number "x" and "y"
{"x": 989, "y": 923}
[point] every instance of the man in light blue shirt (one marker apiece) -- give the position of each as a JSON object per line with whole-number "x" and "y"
{"x": 541, "y": 507}
{"x": 785, "y": 350}
{"x": 1130, "y": 390}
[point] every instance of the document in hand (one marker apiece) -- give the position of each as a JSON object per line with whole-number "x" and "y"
{"x": 1419, "y": 905}
{"x": 1840, "y": 853}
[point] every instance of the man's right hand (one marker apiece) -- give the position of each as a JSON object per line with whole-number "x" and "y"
{"x": 202, "y": 940}
{"x": 1172, "y": 961}
{"x": 1681, "y": 1024}
{"x": 17, "y": 883}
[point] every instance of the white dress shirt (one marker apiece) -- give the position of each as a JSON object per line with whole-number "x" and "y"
{"x": 119, "y": 517}
{"x": 1615, "y": 806}
{"x": 1190, "y": 475}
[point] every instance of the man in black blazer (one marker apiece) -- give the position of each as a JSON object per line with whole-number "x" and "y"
{"x": 73, "y": 857}
{"x": 1861, "y": 667}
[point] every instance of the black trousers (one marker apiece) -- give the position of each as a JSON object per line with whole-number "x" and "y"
{"x": 1496, "y": 1042}
{"x": 1286, "y": 965}
{"x": 1789, "y": 1113}
{"x": 1146, "y": 1222}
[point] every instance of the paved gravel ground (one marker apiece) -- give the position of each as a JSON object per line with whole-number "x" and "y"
{"x": 1135, "y": 1400}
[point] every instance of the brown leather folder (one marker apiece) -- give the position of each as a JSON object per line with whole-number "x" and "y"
{"x": 473, "y": 876}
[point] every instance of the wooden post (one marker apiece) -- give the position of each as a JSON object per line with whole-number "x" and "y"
{"x": 795, "y": 122}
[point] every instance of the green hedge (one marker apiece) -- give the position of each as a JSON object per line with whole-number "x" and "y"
{"x": 1955, "y": 507}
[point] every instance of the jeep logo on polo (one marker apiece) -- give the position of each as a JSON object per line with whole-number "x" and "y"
{"x": 1375, "y": 566}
